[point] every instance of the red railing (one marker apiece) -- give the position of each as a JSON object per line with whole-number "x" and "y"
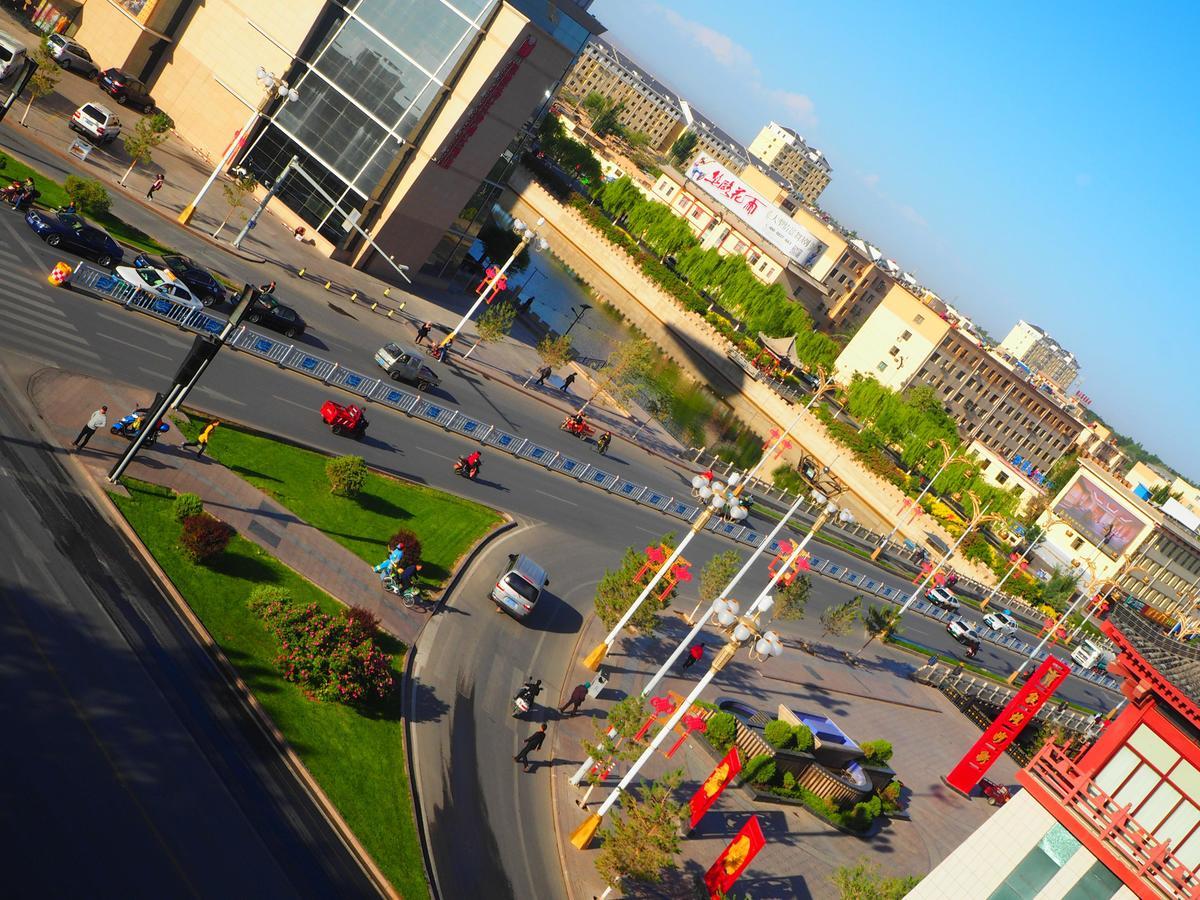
{"x": 1146, "y": 856}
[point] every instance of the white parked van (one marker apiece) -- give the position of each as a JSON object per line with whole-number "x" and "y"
{"x": 12, "y": 56}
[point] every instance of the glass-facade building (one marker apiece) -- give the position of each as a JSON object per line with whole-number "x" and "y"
{"x": 367, "y": 80}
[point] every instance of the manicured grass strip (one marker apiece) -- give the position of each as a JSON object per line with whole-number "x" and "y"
{"x": 447, "y": 526}
{"x": 356, "y": 756}
{"x": 53, "y": 195}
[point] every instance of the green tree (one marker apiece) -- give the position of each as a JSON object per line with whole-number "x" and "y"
{"x": 554, "y": 351}
{"x": 496, "y": 322}
{"x": 596, "y": 104}
{"x": 147, "y": 134}
{"x": 1057, "y": 591}
{"x": 791, "y": 600}
{"x": 838, "y": 620}
{"x": 609, "y": 121}
{"x": 717, "y": 573}
{"x": 617, "y": 590}
{"x": 626, "y": 717}
{"x": 236, "y": 190}
{"x": 626, "y": 368}
{"x": 864, "y": 881}
{"x": 681, "y": 150}
{"x": 643, "y": 840}
{"x": 88, "y": 194}
{"x": 880, "y": 623}
{"x": 45, "y": 79}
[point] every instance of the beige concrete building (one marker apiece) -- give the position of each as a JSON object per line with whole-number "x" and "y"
{"x": 1001, "y": 473}
{"x": 403, "y": 110}
{"x": 804, "y": 166}
{"x": 649, "y": 105}
{"x": 1144, "y": 476}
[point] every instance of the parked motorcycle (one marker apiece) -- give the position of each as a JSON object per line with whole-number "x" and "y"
{"x": 129, "y": 426}
{"x": 523, "y": 701}
{"x": 467, "y": 469}
{"x": 10, "y": 193}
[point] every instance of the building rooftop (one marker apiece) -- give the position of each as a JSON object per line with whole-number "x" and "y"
{"x": 1172, "y": 665}
{"x": 697, "y": 119}
{"x": 627, "y": 63}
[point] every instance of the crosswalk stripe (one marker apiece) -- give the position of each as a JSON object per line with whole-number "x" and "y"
{"x": 49, "y": 314}
{"x": 48, "y": 332}
{"x": 18, "y": 289}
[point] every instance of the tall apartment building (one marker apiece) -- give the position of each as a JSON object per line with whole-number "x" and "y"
{"x": 906, "y": 342}
{"x": 712, "y": 140}
{"x": 1117, "y": 816}
{"x": 1032, "y": 346}
{"x": 649, "y": 105}
{"x": 403, "y": 109}
{"x": 805, "y": 166}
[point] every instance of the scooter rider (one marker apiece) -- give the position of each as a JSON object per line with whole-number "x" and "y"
{"x": 603, "y": 441}
{"x": 529, "y": 691}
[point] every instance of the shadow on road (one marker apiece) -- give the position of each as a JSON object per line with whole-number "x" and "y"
{"x": 426, "y": 705}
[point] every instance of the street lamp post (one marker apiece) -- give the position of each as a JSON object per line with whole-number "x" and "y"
{"x": 949, "y": 457}
{"x": 528, "y": 236}
{"x": 978, "y": 517}
{"x": 742, "y": 630}
{"x": 251, "y": 222}
{"x": 274, "y": 87}
{"x": 583, "y": 307}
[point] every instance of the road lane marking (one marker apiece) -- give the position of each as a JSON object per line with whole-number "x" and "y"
{"x": 553, "y": 497}
{"x": 46, "y": 334}
{"x": 291, "y": 402}
{"x": 110, "y": 337}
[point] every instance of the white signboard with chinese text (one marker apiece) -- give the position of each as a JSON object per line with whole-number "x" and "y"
{"x": 767, "y": 219}
{"x": 79, "y": 149}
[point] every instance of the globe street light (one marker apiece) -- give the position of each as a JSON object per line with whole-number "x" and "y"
{"x": 274, "y": 88}
{"x": 742, "y": 631}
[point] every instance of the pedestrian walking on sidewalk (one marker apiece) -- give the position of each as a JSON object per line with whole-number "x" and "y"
{"x": 543, "y": 374}
{"x": 533, "y": 742}
{"x": 576, "y": 699}
{"x": 693, "y": 657}
{"x": 423, "y": 331}
{"x": 567, "y": 382}
{"x": 156, "y": 186}
{"x": 98, "y": 420}
{"x": 201, "y": 442}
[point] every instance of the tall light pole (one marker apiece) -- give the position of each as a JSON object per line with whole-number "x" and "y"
{"x": 528, "y": 236}
{"x": 949, "y": 457}
{"x": 742, "y": 630}
{"x": 1051, "y": 518}
{"x": 251, "y": 222}
{"x": 275, "y": 87}
{"x": 978, "y": 517}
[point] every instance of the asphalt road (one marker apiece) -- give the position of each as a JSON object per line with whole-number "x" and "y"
{"x": 130, "y": 769}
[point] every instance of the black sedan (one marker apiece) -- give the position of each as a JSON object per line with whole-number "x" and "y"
{"x": 201, "y": 282}
{"x": 274, "y": 315}
{"x": 126, "y": 89}
{"x": 71, "y": 232}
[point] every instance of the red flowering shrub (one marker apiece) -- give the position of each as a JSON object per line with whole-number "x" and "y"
{"x": 333, "y": 658}
{"x": 203, "y": 537}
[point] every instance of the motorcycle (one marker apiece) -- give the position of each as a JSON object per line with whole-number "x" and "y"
{"x": 996, "y": 794}
{"x": 972, "y": 649}
{"x": 467, "y": 470}
{"x": 10, "y": 193}
{"x": 602, "y": 443}
{"x": 129, "y": 426}
{"x": 523, "y": 701}
{"x": 578, "y": 427}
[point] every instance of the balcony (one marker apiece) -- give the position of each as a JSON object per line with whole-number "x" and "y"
{"x": 1156, "y": 871}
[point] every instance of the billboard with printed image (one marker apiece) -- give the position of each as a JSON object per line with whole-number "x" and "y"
{"x": 1099, "y": 517}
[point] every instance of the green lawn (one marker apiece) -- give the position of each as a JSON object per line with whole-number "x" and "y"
{"x": 447, "y": 526}
{"x": 53, "y": 195}
{"x": 356, "y": 756}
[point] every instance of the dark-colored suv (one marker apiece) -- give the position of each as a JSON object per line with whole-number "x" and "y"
{"x": 274, "y": 315}
{"x": 126, "y": 89}
{"x": 202, "y": 283}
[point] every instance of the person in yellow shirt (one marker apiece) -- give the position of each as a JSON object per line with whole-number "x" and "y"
{"x": 201, "y": 441}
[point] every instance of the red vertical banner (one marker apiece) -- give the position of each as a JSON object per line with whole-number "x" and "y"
{"x": 737, "y": 856}
{"x": 706, "y": 795}
{"x": 1000, "y": 733}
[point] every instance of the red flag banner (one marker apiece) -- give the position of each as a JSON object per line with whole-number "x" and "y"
{"x": 999, "y": 734}
{"x": 737, "y": 856}
{"x": 706, "y": 795}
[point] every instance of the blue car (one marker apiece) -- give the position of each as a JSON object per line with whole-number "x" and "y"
{"x": 71, "y": 232}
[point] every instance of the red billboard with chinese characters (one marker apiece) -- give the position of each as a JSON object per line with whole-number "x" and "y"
{"x": 737, "y": 856}
{"x": 1000, "y": 733}
{"x": 706, "y": 795}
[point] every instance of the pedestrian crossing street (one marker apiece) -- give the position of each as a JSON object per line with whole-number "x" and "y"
{"x": 30, "y": 316}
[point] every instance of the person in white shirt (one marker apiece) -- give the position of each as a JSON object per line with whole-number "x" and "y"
{"x": 98, "y": 420}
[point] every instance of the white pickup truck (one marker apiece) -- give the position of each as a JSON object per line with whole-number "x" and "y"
{"x": 1091, "y": 655}
{"x": 406, "y": 364}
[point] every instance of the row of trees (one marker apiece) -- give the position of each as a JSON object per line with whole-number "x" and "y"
{"x": 725, "y": 278}
{"x": 567, "y": 153}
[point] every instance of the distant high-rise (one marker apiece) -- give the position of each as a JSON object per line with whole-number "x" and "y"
{"x": 1032, "y": 346}
{"x": 785, "y": 150}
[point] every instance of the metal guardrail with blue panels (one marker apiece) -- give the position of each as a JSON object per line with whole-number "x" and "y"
{"x": 599, "y": 478}
{"x": 538, "y": 454}
{"x": 502, "y": 440}
{"x": 397, "y": 399}
{"x": 656, "y": 499}
{"x": 682, "y": 510}
{"x": 434, "y": 412}
{"x": 567, "y": 466}
{"x": 628, "y": 489}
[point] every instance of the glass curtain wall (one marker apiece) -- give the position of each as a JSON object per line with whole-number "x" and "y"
{"x": 363, "y": 92}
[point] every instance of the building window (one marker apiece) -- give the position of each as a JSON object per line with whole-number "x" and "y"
{"x": 1039, "y": 865}
{"x": 895, "y": 351}
{"x": 882, "y": 366}
{"x": 1077, "y": 543}
{"x": 1001, "y": 477}
{"x": 906, "y": 336}
{"x": 918, "y": 319}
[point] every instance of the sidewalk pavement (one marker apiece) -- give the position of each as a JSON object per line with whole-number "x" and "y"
{"x": 65, "y": 400}
{"x": 873, "y": 701}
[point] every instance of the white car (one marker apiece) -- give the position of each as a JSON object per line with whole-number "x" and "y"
{"x": 941, "y": 597}
{"x": 1001, "y": 622}
{"x": 156, "y": 281}
{"x": 97, "y": 121}
{"x": 962, "y": 630}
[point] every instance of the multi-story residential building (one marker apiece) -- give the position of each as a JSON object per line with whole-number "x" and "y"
{"x": 403, "y": 109}
{"x": 649, "y": 106}
{"x": 1096, "y": 525}
{"x": 1007, "y": 475}
{"x": 1097, "y": 442}
{"x": 783, "y": 149}
{"x": 1117, "y": 816}
{"x": 1146, "y": 478}
{"x": 713, "y": 141}
{"x": 906, "y": 342}
{"x": 1033, "y": 347}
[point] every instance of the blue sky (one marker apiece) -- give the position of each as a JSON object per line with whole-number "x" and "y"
{"x": 1031, "y": 161}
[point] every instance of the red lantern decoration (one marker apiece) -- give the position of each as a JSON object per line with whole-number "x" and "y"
{"x": 690, "y": 723}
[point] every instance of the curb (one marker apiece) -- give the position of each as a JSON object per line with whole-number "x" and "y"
{"x": 409, "y": 664}
{"x": 108, "y": 511}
